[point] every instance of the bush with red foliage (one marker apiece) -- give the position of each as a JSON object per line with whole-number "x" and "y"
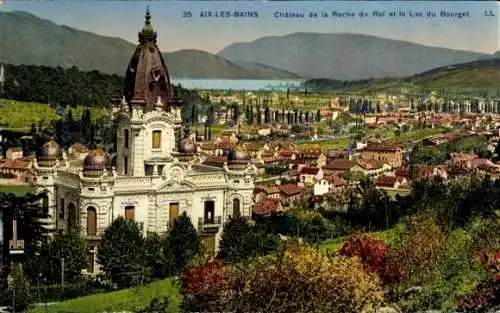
{"x": 200, "y": 278}
{"x": 371, "y": 251}
{"x": 487, "y": 294}
{"x": 204, "y": 286}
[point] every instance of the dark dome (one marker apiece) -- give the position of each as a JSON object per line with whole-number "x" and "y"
{"x": 188, "y": 146}
{"x": 50, "y": 151}
{"x": 96, "y": 159}
{"x": 147, "y": 77}
{"x": 238, "y": 154}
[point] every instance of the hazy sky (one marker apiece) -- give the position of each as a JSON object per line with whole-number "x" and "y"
{"x": 477, "y": 32}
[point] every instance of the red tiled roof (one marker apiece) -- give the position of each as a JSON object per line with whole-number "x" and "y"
{"x": 299, "y": 161}
{"x": 309, "y": 170}
{"x": 401, "y": 172}
{"x": 226, "y": 145}
{"x": 286, "y": 153}
{"x": 290, "y": 189}
{"x": 335, "y": 180}
{"x": 258, "y": 190}
{"x": 272, "y": 189}
{"x": 267, "y": 206}
{"x": 214, "y": 160}
{"x": 16, "y": 164}
{"x": 340, "y": 164}
{"x": 386, "y": 181}
{"x": 371, "y": 164}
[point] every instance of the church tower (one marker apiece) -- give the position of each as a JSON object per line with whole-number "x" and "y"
{"x": 149, "y": 120}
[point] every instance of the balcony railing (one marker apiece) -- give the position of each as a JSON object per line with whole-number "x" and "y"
{"x": 16, "y": 246}
{"x": 214, "y": 221}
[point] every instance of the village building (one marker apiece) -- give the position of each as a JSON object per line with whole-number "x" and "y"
{"x": 393, "y": 154}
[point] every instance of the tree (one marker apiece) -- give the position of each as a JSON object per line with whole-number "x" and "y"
{"x": 318, "y": 116}
{"x": 30, "y": 216}
{"x": 303, "y": 280}
{"x": 182, "y": 245}
{"x": 72, "y": 248}
{"x": 121, "y": 253}
{"x": 19, "y": 293}
{"x": 259, "y": 115}
{"x": 153, "y": 252}
{"x": 241, "y": 241}
{"x": 267, "y": 116}
{"x": 419, "y": 247}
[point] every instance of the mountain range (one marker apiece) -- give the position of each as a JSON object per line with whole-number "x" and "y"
{"x": 28, "y": 39}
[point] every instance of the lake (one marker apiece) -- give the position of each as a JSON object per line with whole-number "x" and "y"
{"x": 239, "y": 84}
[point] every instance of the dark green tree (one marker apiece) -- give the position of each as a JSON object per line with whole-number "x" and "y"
{"x": 259, "y": 115}
{"x": 250, "y": 114}
{"x": 153, "y": 252}
{"x": 240, "y": 241}
{"x": 318, "y": 116}
{"x": 121, "y": 253}
{"x": 68, "y": 246}
{"x": 30, "y": 212}
{"x": 181, "y": 246}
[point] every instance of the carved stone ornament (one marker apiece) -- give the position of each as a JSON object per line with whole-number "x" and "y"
{"x": 177, "y": 174}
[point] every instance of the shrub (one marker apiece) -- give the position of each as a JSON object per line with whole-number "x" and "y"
{"x": 487, "y": 293}
{"x": 371, "y": 251}
{"x": 204, "y": 286}
{"x": 419, "y": 247}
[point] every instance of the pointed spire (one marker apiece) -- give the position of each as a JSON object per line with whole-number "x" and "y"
{"x": 147, "y": 33}
{"x": 148, "y": 16}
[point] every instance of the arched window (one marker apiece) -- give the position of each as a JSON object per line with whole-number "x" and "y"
{"x": 45, "y": 204}
{"x": 72, "y": 216}
{"x": 236, "y": 207}
{"x": 91, "y": 221}
{"x": 156, "y": 144}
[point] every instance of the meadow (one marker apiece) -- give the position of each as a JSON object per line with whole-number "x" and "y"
{"x": 18, "y": 190}
{"x": 126, "y": 300}
{"x": 19, "y": 115}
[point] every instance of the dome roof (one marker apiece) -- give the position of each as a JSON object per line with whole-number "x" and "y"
{"x": 147, "y": 77}
{"x": 96, "y": 159}
{"x": 188, "y": 146}
{"x": 50, "y": 151}
{"x": 238, "y": 154}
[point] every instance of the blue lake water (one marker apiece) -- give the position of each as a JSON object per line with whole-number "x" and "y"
{"x": 239, "y": 84}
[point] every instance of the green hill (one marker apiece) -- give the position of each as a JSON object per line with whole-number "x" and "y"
{"x": 28, "y": 39}
{"x": 476, "y": 78}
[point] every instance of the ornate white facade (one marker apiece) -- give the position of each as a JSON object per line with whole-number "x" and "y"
{"x": 157, "y": 177}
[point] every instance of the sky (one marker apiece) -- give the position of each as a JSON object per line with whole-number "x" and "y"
{"x": 475, "y": 32}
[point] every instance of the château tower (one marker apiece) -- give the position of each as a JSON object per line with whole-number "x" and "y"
{"x": 149, "y": 121}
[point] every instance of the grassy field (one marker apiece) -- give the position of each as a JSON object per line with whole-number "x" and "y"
{"x": 19, "y": 115}
{"x": 130, "y": 300}
{"x": 337, "y": 143}
{"x": 18, "y": 190}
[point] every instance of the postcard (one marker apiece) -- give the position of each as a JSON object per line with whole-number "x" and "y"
{"x": 249, "y": 156}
